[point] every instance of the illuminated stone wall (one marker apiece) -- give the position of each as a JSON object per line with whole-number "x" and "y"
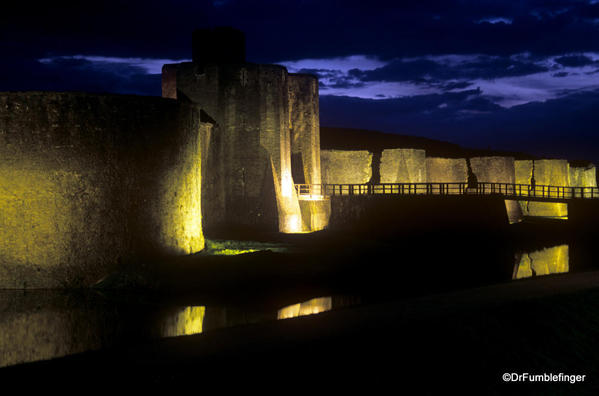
{"x": 523, "y": 170}
{"x": 552, "y": 172}
{"x": 250, "y": 104}
{"x": 345, "y": 166}
{"x": 304, "y": 126}
{"x": 315, "y": 214}
{"x": 403, "y": 166}
{"x": 494, "y": 169}
{"x": 91, "y": 181}
{"x": 304, "y": 129}
{"x": 583, "y": 176}
{"x": 446, "y": 170}
{"x": 498, "y": 170}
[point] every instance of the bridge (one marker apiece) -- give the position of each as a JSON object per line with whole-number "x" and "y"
{"x": 510, "y": 191}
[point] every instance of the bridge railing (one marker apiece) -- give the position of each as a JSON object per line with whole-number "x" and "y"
{"x": 510, "y": 190}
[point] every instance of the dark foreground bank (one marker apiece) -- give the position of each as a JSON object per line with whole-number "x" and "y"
{"x": 457, "y": 341}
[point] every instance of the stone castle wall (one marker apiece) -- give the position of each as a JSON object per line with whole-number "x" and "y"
{"x": 494, "y": 169}
{"x": 346, "y": 167}
{"x": 91, "y": 181}
{"x": 498, "y": 170}
{"x": 583, "y": 176}
{"x": 552, "y": 172}
{"x": 446, "y": 170}
{"x": 304, "y": 128}
{"x": 403, "y": 166}
{"x": 250, "y": 105}
{"x": 412, "y": 166}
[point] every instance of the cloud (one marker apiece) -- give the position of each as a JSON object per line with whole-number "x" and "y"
{"x": 73, "y": 74}
{"x": 494, "y": 20}
{"x": 147, "y": 65}
{"x": 329, "y": 64}
{"x": 574, "y": 60}
{"x": 153, "y": 28}
{"x": 452, "y": 85}
{"x": 563, "y": 127}
{"x": 504, "y": 80}
{"x": 392, "y": 113}
{"x": 438, "y": 68}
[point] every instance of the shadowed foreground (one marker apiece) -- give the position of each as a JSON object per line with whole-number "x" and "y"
{"x": 456, "y": 341}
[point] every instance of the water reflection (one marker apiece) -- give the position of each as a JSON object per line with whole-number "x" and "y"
{"x": 43, "y": 325}
{"x": 185, "y": 321}
{"x": 552, "y": 260}
{"x": 313, "y": 306}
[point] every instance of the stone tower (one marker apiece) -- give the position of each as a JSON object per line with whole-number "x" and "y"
{"x": 248, "y": 171}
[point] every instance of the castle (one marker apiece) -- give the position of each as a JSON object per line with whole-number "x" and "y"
{"x": 265, "y": 135}
{"x": 90, "y": 182}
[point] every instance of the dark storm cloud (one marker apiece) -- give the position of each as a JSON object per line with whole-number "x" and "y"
{"x": 386, "y": 114}
{"x": 321, "y": 73}
{"x": 345, "y": 83}
{"x": 279, "y": 30}
{"x": 77, "y": 75}
{"x": 563, "y": 127}
{"x": 448, "y": 86}
{"x": 483, "y": 67}
{"x": 574, "y": 60}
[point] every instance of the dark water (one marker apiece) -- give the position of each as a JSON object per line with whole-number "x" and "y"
{"x": 40, "y": 325}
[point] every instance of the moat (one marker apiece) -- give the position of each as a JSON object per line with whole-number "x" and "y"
{"x": 259, "y": 282}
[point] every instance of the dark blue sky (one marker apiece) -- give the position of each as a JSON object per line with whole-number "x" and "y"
{"x": 515, "y": 75}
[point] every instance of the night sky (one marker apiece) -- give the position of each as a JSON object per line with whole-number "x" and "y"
{"x": 511, "y": 75}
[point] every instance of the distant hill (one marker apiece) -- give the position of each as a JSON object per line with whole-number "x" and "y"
{"x": 361, "y": 139}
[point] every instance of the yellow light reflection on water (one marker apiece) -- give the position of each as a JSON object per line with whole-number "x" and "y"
{"x": 313, "y": 306}
{"x": 233, "y": 252}
{"x": 186, "y": 321}
{"x": 553, "y": 260}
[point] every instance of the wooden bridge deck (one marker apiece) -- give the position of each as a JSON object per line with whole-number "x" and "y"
{"x": 520, "y": 192}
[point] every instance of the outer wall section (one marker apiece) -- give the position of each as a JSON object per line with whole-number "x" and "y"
{"x": 544, "y": 172}
{"x": 91, "y": 181}
{"x": 498, "y": 170}
{"x": 403, "y": 166}
{"x": 346, "y": 167}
